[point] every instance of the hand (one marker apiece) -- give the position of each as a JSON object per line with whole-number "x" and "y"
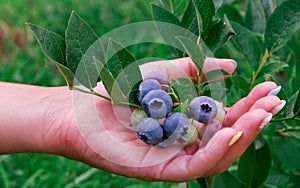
{"x": 89, "y": 129}
{"x": 101, "y": 137}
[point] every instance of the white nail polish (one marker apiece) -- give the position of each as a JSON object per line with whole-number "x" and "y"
{"x": 265, "y": 122}
{"x": 232, "y": 61}
{"x": 279, "y": 107}
{"x": 275, "y": 91}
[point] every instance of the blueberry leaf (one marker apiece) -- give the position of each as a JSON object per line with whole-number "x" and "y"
{"x": 228, "y": 179}
{"x": 288, "y": 152}
{"x": 272, "y": 66}
{"x": 219, "y": 33}
{"x": 248, "y": 43}
{"x": 53, "y": 47}
{"x": 162, "y": 15}
{"x": 293, "y": 105}
{"x": 193, "y": 50}
{"x": 176, "y": 7}
{"x": 79, "y": 37}
{"x": 254, "y": 164}
{"x": 282, "y": 24}
{"x": 205, "y": 8}
{"x": 124, "y": 68}
{"x": 184, "y": 88}
{"x": 109, "y": 82}
{"x": 255, "y": 16}
{"x": 66, "y": 73}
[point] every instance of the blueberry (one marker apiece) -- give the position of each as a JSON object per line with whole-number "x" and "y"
{"x": 190, "y": 137}
{"x": 150, "y": 131}
{"x": 146, "y": 86}
{"x": 157, "y": 104}
{"x": 209, "y": 130}
{"x": 203, "y": 109}
{"x": 137, "y": 115}
{"x": 176, "y": 125}
{"x": 162, "y": 79}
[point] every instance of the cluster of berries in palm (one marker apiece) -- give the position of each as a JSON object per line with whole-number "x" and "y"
{"x": 159, "y": 125}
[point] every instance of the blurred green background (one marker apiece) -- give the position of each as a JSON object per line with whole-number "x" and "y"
{"x": 22, "y": 61}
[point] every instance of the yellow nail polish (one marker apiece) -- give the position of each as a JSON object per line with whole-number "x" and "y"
{"x": 235, "y": 138}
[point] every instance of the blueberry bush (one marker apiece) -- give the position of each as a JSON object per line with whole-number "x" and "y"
{"x": 262, "y": 35}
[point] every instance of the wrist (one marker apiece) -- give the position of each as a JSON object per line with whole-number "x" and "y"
{"x": 32, "y": 117}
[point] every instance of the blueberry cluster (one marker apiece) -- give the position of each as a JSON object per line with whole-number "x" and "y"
{"x": 156, "y": 124}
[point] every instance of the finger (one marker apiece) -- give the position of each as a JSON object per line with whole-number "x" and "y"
{"x": 188, "y": 167}
{"x": 249, "y": 124}
{"x": 244, "y": 105}
{"x": 270, "y": 104}
{"x": 227, "y": 65}
{"x": 184, "y": 67}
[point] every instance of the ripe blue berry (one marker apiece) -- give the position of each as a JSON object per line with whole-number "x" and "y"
{"x": 157, "y": 76}
{"x": 146, "y": 86}
{"x": 157, "y": 104}
{"x": 176, "y": 125}
{"x": 203, "y": 109}
{"x": 150, "y": 131}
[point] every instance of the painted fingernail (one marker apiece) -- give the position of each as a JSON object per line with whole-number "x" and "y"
{"x": 232, "y": 61}
{"x": 265, "y": 122}
{"x": 275, "y": 91}
{"x": 235, "y": 138}
{"x": 279, "y": 107}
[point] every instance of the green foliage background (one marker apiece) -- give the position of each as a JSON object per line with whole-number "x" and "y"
{"x": 22, "y": 61}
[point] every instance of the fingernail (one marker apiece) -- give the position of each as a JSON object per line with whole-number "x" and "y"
{"x": 274, "y": 91}
{"x": 235, "y": 138}
{"x": 279, "y": 107}
{"x": 265, "y": 122}
{"x": 232, "y": 61}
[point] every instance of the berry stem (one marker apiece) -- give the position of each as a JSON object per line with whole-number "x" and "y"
{"x": 260, "y": 66}
{"x": 93, "y": 92}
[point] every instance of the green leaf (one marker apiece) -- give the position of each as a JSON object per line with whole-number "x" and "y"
{"x": 227, "y": 179}
{"x": 247, "y": 41}
{"x": 79, "y": 38}
{"x": 282, "y": 24}
{"x": 109, "y": 82}
{"x": 184, "y": 88}
{"x": 206, "y": 9}
{"x": 67, "y": 74}
{"x": 124, "y": 68}
{"x": 288, "y": 152}
{"x": 176, "y": 7}
{"x": 293, "y": 105}
{"x": 269, "y": 7}
{"x": 162, "y": 15}
{"x": 254, "y": 164}
{"x": 255, "y": 16}
{"x": 193, "y": 50}
{"x": 272, "y": 67}
{"x": 52, "y": 45}
{"x": 219, "y": 33}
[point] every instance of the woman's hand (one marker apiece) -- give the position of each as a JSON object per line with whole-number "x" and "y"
{"x": 89, "y": 129}
{"x": 101, "y": 135}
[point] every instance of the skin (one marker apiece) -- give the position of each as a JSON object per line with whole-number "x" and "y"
{"x": 43, "y": 120}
